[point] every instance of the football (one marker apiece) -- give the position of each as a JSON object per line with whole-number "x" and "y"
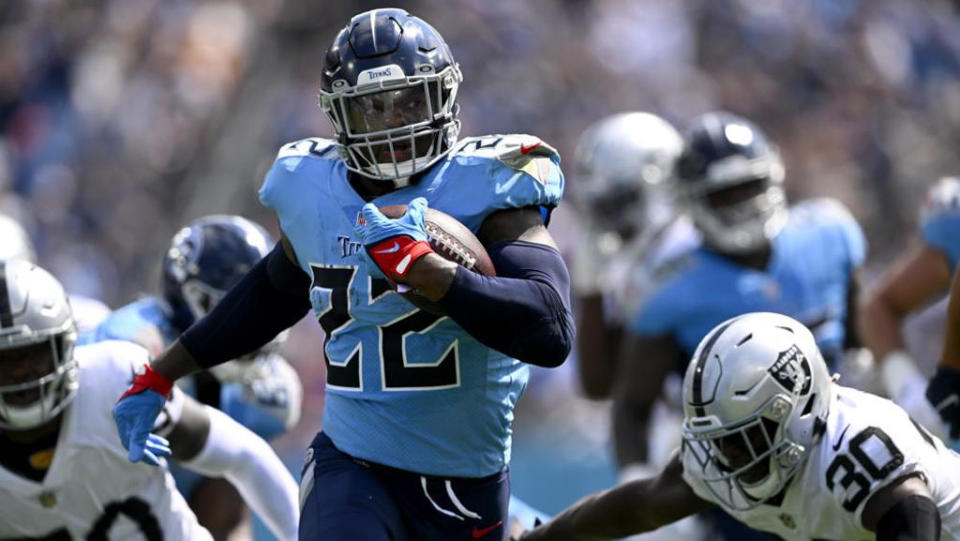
{"x": 451, "y": 240}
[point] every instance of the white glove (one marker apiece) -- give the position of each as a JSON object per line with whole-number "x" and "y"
{"x": 907, "y": 387}
{"x": 593, "y": 252}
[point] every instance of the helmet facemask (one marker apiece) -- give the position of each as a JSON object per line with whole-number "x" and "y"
{"x": 750, "y": 462}
{"x": 741, "y": 210}
{"x": 37, "y": 379}
{"x": 398, "y": 126}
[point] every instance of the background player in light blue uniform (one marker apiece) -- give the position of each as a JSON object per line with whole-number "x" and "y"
{"x": 756, "y": 256}
{"x": 261, "y": 391}
{"x": 417, "y": 424}
{"x": 917, "y": 279}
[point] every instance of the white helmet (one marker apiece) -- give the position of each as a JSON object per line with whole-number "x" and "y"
{"x": 755, "y": 400}
{"x": 14, "y": 242}
{"x": 34, "y": 316}
{"x": 618, "y": 161}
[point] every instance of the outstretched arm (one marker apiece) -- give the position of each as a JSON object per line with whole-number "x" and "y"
{"x": 634, "y": 507}
{"x": 915, "y": 280}
{"x": 644, "y": 363}
{"x": 208, "y": 441}
{"x": 269, "y": 298}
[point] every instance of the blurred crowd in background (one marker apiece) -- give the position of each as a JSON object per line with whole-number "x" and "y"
{"x": 121, "y": 120}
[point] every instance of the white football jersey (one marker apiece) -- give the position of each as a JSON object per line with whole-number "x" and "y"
{"x": 87, "y": 312}
{"x": 869, "y": 442}
{"x": 633, "y": 273}
{"x": 91, "y": 490}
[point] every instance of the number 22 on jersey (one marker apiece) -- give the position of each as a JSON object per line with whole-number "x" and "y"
{"x": 397, "y": 373}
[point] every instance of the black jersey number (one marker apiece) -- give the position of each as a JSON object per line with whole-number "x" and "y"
{"x": 851, "y": 473}
{"x": 398, "y": 374}
{"x": 133, "y": 508}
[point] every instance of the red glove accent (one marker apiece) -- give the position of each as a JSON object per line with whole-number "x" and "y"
{"x": 149, "y": 380}
{"x": 396, "y": 255}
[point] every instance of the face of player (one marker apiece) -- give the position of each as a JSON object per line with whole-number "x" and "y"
{"x": 730, "y": 197}
{"x": 740, "y": 449}
{"x": 21, "y": 366}
{"x": 390, "y": 109}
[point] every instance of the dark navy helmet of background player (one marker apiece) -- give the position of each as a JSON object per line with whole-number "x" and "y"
{"x": 389, "y": 87}
{"x": 205, "y": 259}
{"x": 730, "y": 178}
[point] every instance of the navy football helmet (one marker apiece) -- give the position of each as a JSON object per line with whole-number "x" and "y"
{"x": 207, "y": 258}
{"x": 389, "y": 87}
{"x": 730, "y": 177}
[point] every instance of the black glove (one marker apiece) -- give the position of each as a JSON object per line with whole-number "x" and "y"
{"x": 943, "y": 392}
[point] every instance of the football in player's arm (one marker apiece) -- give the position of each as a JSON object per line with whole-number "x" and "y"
{"x": 416, "y": 402}
{"x": 770, "y": 438}
{"x": 916, "y": 279}
{"x": 63, "y": 469}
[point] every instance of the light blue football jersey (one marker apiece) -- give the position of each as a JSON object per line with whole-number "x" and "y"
{"x": 940, "y": 222}
{"x": 146, "y": 322}
{"x": 407, "y": 388}
{"x": 807, "y": 278}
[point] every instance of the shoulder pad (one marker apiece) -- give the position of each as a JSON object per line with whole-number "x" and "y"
{"x": 312, "y": 146}
{"x": 822, "y": 209}
{"x": 513, "y": 150}
{"x": 942, "y": 198}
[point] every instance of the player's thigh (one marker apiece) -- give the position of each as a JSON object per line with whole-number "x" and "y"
{"x": 452, "y": 509}
{"x": 343, "y": 500}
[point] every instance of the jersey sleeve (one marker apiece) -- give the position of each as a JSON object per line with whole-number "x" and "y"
{"x": 519, "y": 171}
{"x": 940, "y": 219}
{"x": 868, "y": 452}
{"x": 837, "y": 217}
{"x": 281, "y": 190}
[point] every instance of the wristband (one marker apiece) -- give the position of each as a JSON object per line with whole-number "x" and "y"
{"x": 149, "y": 380}
{"x": 395, "y": 255}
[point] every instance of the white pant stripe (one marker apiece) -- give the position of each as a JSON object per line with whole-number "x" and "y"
{"x": 423, "y": 483}
{"x": 456, "y": 502}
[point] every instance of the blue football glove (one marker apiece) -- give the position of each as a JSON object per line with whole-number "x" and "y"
{"x": 135, "y": 414}
{"x": 393, "y": 245}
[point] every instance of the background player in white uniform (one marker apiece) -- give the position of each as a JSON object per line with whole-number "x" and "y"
{"x": 917, "y": 279}
{"x": 770, "y": 438}
{"x": 624, "y": 168}
{"x": 16, "y": 244}
{"x": 63, "y": 472}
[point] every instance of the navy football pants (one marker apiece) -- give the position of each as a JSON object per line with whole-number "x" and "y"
{"x": 347, "y": 499}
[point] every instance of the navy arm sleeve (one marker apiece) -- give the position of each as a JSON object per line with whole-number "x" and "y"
{"x": 524, "y": 311}
{"x": 914, "y": 518}
{"x": 271, "y": 297}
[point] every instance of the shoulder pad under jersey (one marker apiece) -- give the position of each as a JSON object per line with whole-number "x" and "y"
{"x": 317, "y": 147}
{"x": 519, "y": 171}
{"x": 833, "y": 217}
{"x": 514, "y": 150}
